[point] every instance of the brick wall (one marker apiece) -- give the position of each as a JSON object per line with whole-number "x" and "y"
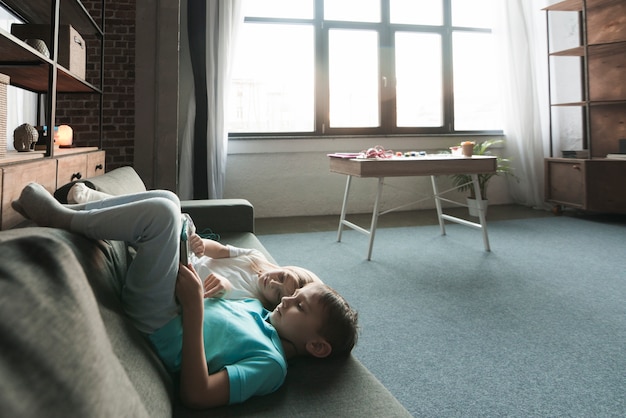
{"x": 81, "y": 111}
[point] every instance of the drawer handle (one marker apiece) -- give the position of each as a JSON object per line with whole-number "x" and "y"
{"x": 76, "y": 176}
{"x": 78, "y": 41}
{"x": 99, "y": 167}
{"x": 576, "y": 167}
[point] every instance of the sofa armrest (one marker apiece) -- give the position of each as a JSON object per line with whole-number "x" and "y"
{"x": 221, "y": 215}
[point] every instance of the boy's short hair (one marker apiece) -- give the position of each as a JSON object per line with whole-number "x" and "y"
{"x": 340, "y": 327}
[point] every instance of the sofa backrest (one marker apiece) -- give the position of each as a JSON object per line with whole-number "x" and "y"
{"x": 123, "y": 180}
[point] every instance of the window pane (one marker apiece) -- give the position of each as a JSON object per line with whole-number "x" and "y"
{"x": 568, "y": 128}
{"x": 352, "y": 10}
{"x": 417, "y": 12}
{"x": 476, "y": 95}
{"x": 272, "y": 86}
{"x": 353, "y": 79}
{"x": 474, "y": 13}
{"x": 295, "y": 9}
{"x": 419, "y": 97}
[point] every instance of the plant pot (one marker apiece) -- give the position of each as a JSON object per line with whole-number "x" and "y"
{"x": 475, "y": 205}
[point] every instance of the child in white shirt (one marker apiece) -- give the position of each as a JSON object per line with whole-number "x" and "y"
{"x": 250, "y": 274}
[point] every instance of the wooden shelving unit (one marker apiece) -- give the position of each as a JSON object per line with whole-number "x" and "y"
{"x": 30, "y": 70}
{"x": 594, "y": 183}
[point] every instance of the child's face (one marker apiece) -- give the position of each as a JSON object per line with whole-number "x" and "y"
{"x": 275, "y": 284}
{"x": 299, "y": 317}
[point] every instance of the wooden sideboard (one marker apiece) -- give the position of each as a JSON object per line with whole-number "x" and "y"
{"x": 19, "y": 169}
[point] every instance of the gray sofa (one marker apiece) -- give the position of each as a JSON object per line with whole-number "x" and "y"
{"x": 68, "y": 349}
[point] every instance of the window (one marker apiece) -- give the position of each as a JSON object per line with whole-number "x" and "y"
{"x": 22, "y": 104}
{"x": 364, "y": 67}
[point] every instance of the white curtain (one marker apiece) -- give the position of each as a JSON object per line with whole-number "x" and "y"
{"x": 203, "y": 176}
{"x": 521, "y": 37}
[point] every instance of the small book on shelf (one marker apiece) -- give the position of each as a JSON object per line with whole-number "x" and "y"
{"x": 581, "y": 153}
{"x": 616, "y": 156}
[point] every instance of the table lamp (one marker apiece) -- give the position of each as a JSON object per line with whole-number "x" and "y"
{"x": 64, "y": 136}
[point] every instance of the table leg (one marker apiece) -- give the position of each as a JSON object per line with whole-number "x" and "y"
{"x": 433, "y": 179}
{"x": 481, "y": 212}
{"x": 344, "y": 208}
{"x": 375, "y": 213}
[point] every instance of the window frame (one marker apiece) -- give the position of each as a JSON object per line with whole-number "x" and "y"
{"x": 387, "y": 103}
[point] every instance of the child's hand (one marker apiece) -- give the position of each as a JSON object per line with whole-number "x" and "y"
{"x": 216, "y": 286}
{"x": 196, "y": 244}
{"x": 189, "y": 289}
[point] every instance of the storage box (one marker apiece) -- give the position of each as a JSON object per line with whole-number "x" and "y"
{"x": 4, "y": 81}
{"x": 72, "y": 49}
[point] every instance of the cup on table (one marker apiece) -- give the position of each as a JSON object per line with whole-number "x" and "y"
{"x": 468, "y": 148}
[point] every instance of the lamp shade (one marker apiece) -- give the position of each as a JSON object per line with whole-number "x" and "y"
{"x": 64, "y": 136}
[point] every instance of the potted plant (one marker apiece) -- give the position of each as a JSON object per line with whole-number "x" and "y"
{"x": 464, "y": 181}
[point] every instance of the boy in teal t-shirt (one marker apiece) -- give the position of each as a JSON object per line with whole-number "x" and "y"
{"x": 255, "y": 362}
{"x": 225, "y": 351}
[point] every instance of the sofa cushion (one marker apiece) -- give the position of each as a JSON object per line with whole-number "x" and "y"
{"x": 63, "y": 350}
{"x": 123, "y": 180}
{"x": 316, "y": 388}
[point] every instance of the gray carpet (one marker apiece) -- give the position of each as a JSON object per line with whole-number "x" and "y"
{"x": 535, "y": 328}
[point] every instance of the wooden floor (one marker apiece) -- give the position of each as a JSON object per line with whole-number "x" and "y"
{"x": 267, "y": 226}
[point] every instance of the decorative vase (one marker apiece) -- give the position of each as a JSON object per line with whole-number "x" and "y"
{"x": 475, "y": 205}
{"x": 39, "y": 45}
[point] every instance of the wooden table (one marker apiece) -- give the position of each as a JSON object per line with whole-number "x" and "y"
{"x": 429, "y": 165}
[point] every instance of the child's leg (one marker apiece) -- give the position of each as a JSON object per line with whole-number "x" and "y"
{"x": 122, "y": 199}
{"x": 152, "y": 225}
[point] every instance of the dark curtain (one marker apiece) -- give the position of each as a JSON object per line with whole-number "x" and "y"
{"x": 196, "y": 31}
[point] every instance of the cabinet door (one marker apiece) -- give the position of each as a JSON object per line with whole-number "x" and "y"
{"x": 95, "y": 163}
{"x": 71, "y": 168}
{"x": 565, "y": 182}
{"x": 15, "y": 177}
{"x": 606, "y": 180}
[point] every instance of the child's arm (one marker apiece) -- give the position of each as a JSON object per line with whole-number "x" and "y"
{"x": 198, "y": 389}
{"x": 211, "y": 248}
{"x": 208, "y": 247}
{"x": 216, "y": 286}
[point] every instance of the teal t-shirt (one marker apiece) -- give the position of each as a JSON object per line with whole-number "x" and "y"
{"x": 237, "y": 338}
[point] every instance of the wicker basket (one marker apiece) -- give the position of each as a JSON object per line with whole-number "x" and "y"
{"x": 4, "y": 81}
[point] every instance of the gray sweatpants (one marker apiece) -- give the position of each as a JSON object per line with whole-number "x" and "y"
{"x": 151, "y": 223}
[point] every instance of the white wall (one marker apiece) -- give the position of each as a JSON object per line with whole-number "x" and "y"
{"x": 290, "y": 177}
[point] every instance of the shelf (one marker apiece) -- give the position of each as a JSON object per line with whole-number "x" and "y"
{"x": 13, "y": 156}
{"x": 594, "y": 49}
{"x": 29, "y": 69}
{"x": 607, "y": 103}
{"x": 578, "y": 51}
{"x": 570, "y": 104}
{"x": 618, "y": 47}
{"x": 566, "y": 6}
{"x": 34, "y": 77}
{"x": 72, "y": 13}
{"x": 591, "y": 103}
